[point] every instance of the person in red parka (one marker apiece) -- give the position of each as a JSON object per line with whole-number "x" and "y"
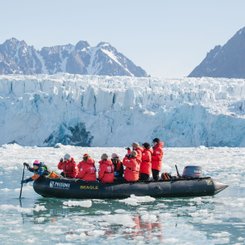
{"x": 106, "y": 170}
{"x": 118, "y": 166}
{"x": 68, "y": 166}
{"x": 157, "y": 157}
{"x": 145, "y": 166}
{"x": 86, "y": 169}
{"x": 132, "y": 164}
{"x": 136, "y": 147}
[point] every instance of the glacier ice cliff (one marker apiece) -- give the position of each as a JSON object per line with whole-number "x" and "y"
{"x": 115, "y": 111}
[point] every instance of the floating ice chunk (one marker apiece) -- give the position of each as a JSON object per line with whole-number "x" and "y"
{"x": 240, "y": 239}
{"x": 40, "y": 220}
{"x": 102, "y": 212}
{"x": 120, "y": 219}
{"x": 149, "y": 217}
{"x": 136, "y": 200}
{"x": 120, "y": 211}
{"x": 95, "y": 233}
{"x": 221, "y": 234}
{"x": 84, "y": 204}
{"x": 38, "y": 208}
{"x": 9, "y": 207}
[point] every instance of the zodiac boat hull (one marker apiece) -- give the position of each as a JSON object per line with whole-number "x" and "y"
{"x": 78, "y": 189}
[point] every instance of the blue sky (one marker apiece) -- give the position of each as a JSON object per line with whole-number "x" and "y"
{"x": 167, "y": 38}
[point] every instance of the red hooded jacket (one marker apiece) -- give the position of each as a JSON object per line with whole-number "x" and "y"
{"x": 106, "y": 171}
{"x": 86, "y": 170}
{"x": 139, "y": 151}
{"x": 145, "y": 166}
{"x": 131, "y": 173}
{"x": 69, "y": 168}
{"x": 157, "y": 156}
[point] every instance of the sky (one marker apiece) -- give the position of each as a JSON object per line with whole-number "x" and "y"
{"x": 167, "y": 38}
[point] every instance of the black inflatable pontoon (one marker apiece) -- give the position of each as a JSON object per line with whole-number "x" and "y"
{"x": 74, "y": 188}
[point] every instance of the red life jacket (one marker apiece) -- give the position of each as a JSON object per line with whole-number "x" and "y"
{"x": 87, "y": 170}
{"x": 145, "y": 166}
{"x": 69, "y": 168}
{"x": 106, "y": 171}
{"x": 131, "y": 172}
{"x": 157, "y": 156}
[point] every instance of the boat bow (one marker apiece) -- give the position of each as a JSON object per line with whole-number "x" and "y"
{"x": 218, "y": 187}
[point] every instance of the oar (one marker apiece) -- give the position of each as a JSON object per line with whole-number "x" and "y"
{"x": 23, "y": 173}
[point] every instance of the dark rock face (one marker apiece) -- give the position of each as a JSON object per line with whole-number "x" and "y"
{"x": 70, "y": 135}
{"x": 16, "y": 57}
{"x": 224, "y": 61}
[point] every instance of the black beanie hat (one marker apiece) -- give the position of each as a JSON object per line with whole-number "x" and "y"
{"x": 157, "y": 140}
{"x": 147, "y": 145}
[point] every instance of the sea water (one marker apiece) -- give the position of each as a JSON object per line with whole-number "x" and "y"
{"x": 218, "y": 219}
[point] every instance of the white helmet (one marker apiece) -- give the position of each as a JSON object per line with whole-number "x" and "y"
{"x": 67, "y": 156}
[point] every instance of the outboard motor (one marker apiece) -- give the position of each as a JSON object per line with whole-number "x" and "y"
{"x": 192, "y": 171}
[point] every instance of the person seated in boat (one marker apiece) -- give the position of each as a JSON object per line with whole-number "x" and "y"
{"x": 157, "y": 156}
{"x": 86, "y": 169}
{"x": 136, "y": 147}
{"x": 106, "y": 169}
{"x": 38, "y": 168}
{"x": 132, "y": 164}
{"x": 68, "y": 166}
{"x": 145, "y": 166}
{"x": 118, "y": 166}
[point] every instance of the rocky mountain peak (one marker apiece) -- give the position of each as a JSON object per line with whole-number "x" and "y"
{"x": 224, "y": 61}
{"x": 16, "y": 57}
{"x": 81, "y": 45}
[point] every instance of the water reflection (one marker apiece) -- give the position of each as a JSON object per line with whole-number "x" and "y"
{"x": 108, "y": 219}
{"x": 148, "y": 222}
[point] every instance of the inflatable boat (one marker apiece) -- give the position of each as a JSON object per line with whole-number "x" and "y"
{"x": 78, "y": 189}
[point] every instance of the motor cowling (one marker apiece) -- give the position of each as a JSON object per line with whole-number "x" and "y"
{"x": 192, "y": 171}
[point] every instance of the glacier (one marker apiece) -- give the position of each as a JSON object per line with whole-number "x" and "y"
{"x": 92, "y": 110}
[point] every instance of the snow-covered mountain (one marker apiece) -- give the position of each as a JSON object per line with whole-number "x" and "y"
{"x": 224, "y": 61}
{"x": 16, "y": 57}
{"x": 115, "y": 111}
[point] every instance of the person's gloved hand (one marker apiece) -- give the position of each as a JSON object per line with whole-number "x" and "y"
{"x": 26, "y": 164}
{"x": 24, "y": 181}
{"x": 61, "y": 160}
{"x": 127, "y": 148}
